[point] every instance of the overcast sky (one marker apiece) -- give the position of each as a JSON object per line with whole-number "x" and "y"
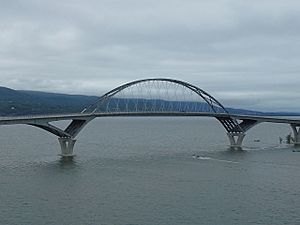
{"x": 245, "y": 53}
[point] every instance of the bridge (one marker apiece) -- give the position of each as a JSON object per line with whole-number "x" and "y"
{"x": 151, "y": 97}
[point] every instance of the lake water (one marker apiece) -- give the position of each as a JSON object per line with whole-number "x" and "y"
{"x": 142, "y": 171}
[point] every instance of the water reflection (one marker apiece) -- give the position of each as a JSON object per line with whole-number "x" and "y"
{"x": 235, "y": 149}
{"x": 67, "y": 162}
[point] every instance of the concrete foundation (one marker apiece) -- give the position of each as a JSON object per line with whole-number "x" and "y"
{"x": 236, "y": 140}
{"x": 296, "y": 132}
{"x": 66, "y": 145}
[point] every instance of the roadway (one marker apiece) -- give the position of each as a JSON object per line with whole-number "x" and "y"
{"x": 81, "y": 116}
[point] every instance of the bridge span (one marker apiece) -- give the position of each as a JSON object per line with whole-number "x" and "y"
{"x": 157, "y": 97}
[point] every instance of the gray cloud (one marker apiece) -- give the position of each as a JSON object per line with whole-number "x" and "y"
{"x": 245, "y": 53}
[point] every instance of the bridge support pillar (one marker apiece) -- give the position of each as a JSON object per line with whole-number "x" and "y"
{"x": 236, "y": 140}
{"x": 296, "y": 132}
{"x": 66, "y": 145}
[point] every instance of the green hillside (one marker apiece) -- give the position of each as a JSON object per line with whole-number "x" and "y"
{"x": 13, "y": 102}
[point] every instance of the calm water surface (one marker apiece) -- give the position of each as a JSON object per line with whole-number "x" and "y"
{"x": 141, "y": 171}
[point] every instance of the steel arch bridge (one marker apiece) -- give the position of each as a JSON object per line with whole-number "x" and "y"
{"x": 156, "y": 95}
{"x": 150, "y": 97}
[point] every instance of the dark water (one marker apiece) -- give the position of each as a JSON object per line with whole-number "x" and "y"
{"x": 141, "y": 171}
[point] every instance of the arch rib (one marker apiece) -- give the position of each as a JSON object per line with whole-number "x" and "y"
{"x": 210, "y": 100}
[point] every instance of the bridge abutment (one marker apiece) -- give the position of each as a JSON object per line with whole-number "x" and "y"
{"x": 236, "y": 140}
{"x": 296, "y": 132}
{"x": 67, "y": 146}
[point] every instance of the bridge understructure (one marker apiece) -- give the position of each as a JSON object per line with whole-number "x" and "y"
{"x": 151, "y": 97}
{"x": 236, "y": 132}
{"x": 296, "y": 132}
{"x": 66, "y": 137}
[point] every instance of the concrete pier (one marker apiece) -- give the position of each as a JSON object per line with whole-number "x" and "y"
{"x": 296, "y": 132}
{"x": 67, "y": 146}
{"x": 236, "y": 140}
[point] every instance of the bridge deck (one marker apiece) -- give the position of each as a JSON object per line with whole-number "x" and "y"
{"x": 78, "y": 116}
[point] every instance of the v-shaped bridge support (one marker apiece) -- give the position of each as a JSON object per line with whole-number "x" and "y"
{"x": 236, "y": 131}
{"x": 67, "y": 136}
{"x": 296, "y": 132}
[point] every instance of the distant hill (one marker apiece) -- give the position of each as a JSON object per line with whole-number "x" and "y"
{"x": 14, "y": 102}
{"x": 20, "y": 102}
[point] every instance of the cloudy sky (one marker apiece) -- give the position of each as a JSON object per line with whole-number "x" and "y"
{"x": 245, "y": 53}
